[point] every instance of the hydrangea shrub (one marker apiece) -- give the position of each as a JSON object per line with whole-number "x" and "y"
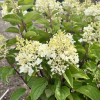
{"x": 60, "y": 60}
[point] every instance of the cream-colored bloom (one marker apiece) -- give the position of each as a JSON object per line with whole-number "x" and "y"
{"x": 45, "y": 5}
{"x": 91, "y": 33}
{"x": 28, "y": 56}
{"x": 3, "y": 48}
{"x": 62, "y": 49}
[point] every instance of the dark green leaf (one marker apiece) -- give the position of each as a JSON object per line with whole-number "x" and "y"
{"x": 48, "y": 93}
{"x": 7, "y": 71}
{"x": 11, "y": 58}
{"x": 80, "y": 49}
{"x": 61, "y": 92}
{"x": 76, "y": 72}
{"x": 67, "y": 75}
{"x": 38, "y": 87}
{"x": 75, "y": 18}
{"x": 90, "y": 91}
{"x": 18, "y": 93}
{"x": 31, "y": 81}
{"x": 11, "y": 42}
{"x": 73, "y": 96}
{"x": 92, "y": 66}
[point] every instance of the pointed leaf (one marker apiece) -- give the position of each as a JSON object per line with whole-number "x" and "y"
{"x": 76, "y": 72}
{"x": 29, "y": 34}
{"x": 38, "y": 87}
{"x": 92, "y": 92}
{"x": 61, "y": 92}
{"x": 67, "y": 75}
{"x": 12, "y": 30}
{"x": 18, "y": 93}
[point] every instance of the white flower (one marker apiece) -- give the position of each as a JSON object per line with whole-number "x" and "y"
{"x": 50, "y": 62}
{"x": 38, "y": 61}
{"x": 97, "y": 18}
{"x": 80, "y": 40}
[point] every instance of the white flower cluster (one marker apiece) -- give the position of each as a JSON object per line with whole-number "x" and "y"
{"x": 93, "y": 10}
{"x": 45, "y": 5}
{"x": 59, "y": 53}
{"x": 3, "y": 49}
{"x": 28, "y": 56}
{"x": 91, "y": 33}
{"x": 5, "y": 11}
{"x": 70, "y": 3}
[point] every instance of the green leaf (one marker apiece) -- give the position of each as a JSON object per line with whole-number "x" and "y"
{"x": 31, "y": 81}
{"x": 7, "y": 71}
{"x": 92, "y": 66}
{"x": 38, "y": 87}
{"x": 67, "y": 26}
{"x": 61, "y": 92}
{"x": 33, "y": 15}
{"x": 54, "y": 12}
{"x": 11, "y": 58}
{"x": 25, "y": 7}
{"x": 43, "y": 96}
{"x": 80, "y": 49}
{"x": 25, "y": 2}
{"x": 76, "y": 72}
{"x": 48, "y": 93}
{"x": 29, "y": 34}
{"x": 12, "y": 18}
{"x": 18, "y": 93}
{"x": 82, "y": 24}
{"x": 11, "y": 42}
{"x": 96, "y": 53}
{"x": 77, "y": 84}
{"x": 12, "y": 29}
{"x": 73, "y": 96}
{"x": 75, "y": 18}
{"x": 42, "y": 21}
{"x": 90, "y": 91}
{"x": 67, "y": 75}
{"x": 1, "y": 69}
{"x": 28, "y": 97}
{"x": 51, "y": 98}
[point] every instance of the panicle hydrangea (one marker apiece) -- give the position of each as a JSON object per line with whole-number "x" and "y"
{"x": 60, "y": 50}
{"x": 28, "y": 56}
{"x": 93, "y": 10}
{"x": 45, "y": 5}
{"x": 3, "y": 49}
{"x": 91, "y": 33}
{"x": 59, "y": 53}
{"x": 70, "y": 3}
{"x": 5, "y": 10}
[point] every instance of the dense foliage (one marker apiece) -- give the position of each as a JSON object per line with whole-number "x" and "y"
{"x": 60, "y": 59}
